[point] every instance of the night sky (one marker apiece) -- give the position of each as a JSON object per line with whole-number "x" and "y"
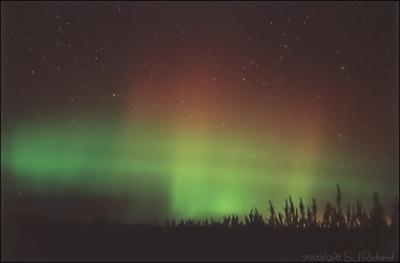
{"x": 142, "y": 111}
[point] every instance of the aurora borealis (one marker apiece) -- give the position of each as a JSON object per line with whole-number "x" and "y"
{"x": 196, "y": 110}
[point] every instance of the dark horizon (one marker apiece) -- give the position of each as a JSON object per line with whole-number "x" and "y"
{"x": 297, "y": 233}
{"x": 159, "y": 131}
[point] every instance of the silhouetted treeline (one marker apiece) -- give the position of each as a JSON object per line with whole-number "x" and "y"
{"x": 336, "y": 232}
{"x": 302, "y": 216}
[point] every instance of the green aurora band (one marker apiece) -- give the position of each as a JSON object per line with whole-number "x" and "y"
{"x": 201, "y": 175}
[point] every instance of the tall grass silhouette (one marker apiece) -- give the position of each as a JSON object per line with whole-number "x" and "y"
{"x": 296, "y": 230}
{"x": 302, "y": 216}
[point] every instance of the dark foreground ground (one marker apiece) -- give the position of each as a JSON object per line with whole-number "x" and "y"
{"x": 40, "y": 239}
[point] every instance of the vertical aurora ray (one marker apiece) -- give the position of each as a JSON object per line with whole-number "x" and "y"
{"x": 195, "y": 157}
{"x": 196, "y": 111}
{"x": 205, "y": 182}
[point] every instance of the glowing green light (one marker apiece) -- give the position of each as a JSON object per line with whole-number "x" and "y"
{"x": 203, "y": 175}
